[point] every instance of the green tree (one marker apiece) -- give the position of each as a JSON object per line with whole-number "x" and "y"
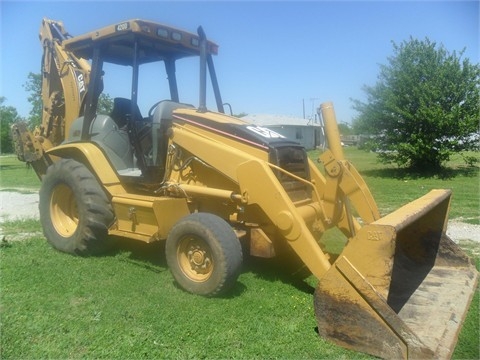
{"x": 105, "y": 104}
{"x": 8, "y": 115}
{"x": 424, "y": 106}
{"x": 34, "y": 87}
{"x": 345, "y": 129}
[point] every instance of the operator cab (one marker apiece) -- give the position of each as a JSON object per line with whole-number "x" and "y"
{"x": 133, "y": 52}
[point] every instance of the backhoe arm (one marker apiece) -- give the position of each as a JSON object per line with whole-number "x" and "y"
{"x": 65, "y": 79}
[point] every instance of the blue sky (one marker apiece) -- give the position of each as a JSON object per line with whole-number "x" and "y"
{"x": 273, "y": 56}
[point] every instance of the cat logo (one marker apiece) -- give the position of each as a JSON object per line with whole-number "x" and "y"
{"x": 80, "y": 82}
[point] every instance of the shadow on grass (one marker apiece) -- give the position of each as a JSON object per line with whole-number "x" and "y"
{"x": 281, "y": 269}
{"x": 152, "y": 258}
{"x": 149, "y": 256}
{"x": 404, "y": 173}
{"x": 7, "y": 167}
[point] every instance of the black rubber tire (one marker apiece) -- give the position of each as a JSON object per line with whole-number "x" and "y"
{"x": 75, "y": 212}
{"x": 204, "y": 254}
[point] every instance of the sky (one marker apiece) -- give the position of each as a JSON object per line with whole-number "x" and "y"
{"x": 275, "y": 57}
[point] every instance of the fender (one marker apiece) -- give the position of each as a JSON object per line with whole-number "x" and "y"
{"x": 94, "y": 158}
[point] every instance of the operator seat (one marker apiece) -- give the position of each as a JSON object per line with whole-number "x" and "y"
{"x": 162, "y": 120}
{"x": 122, "y": 110}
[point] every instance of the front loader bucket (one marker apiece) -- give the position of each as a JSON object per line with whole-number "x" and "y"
{"x": 401, "y": 288}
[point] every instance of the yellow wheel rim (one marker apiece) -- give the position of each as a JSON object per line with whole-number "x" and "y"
{"x": 63, "y": 210}
{"x": 195, "y": 258}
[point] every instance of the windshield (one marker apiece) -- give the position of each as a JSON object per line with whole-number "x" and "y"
{"x": 153, "y": 83}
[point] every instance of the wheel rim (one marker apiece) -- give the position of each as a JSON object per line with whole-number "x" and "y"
{"x": 63, "y": 210}
{"x": 195, "y": 258}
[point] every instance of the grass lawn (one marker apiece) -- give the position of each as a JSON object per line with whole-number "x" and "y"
{"x": 17, "y": 175}
{"x": 126, "y": 304}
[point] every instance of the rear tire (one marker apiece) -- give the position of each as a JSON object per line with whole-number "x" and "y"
{"x": 75, "y": 212}
{"x": 204, "y": 254}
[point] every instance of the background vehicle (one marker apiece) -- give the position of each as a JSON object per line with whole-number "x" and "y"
{"x": 207, "y": 183}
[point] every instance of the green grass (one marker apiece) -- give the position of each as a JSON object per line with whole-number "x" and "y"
{"x": 468, "y": 345}
{"x": 14, "y": 227}
{"x": 126, "y": 304}
{"x": 15, "y": 174}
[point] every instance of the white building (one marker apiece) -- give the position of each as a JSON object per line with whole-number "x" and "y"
{"x": 304, "y": 131}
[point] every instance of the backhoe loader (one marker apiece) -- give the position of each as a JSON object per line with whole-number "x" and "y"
{"x": 214, "y": 187}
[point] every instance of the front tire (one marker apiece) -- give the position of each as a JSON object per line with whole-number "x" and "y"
{"x": 75, "y": 212}
{"x": 204, "y": 254}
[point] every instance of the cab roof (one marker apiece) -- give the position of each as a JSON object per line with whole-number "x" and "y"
{"x": 156, "y": 42}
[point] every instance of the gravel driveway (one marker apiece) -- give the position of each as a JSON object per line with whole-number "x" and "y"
{"x": 16, "y": 205}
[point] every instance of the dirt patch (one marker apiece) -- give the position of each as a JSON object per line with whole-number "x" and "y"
{"x": 18, "y": 206}
{"x": 458, "y": 231}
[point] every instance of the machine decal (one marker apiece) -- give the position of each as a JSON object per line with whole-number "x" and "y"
{"x": 265, "y": 132}
{"x": 80, "y": 83}
{"x": 122, "y": 27}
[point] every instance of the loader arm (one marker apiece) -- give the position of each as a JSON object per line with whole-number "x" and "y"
{"x": 288, "y": 218}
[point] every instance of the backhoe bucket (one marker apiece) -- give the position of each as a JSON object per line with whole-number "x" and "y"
{"x": 401, "y": 287}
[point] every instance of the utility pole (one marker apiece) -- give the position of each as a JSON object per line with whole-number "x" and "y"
{"x": 314, "y": 115}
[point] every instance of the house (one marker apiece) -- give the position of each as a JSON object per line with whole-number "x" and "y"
{"x": 304, "y": 131}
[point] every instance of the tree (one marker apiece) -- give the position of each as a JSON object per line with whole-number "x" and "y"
{"x": 240, "y": 115}
{"x": 105, "y": 104}
{"x": 34, "y": 87}
{"x": 345, "y": 129}
{"x": 424, "y": 106}
{"x": 8, "y": 115}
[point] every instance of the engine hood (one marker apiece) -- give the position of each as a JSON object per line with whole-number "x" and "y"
{"x": 234, "y": 128}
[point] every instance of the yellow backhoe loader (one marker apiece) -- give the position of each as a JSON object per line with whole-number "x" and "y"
{"x": 212, "y": 185}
